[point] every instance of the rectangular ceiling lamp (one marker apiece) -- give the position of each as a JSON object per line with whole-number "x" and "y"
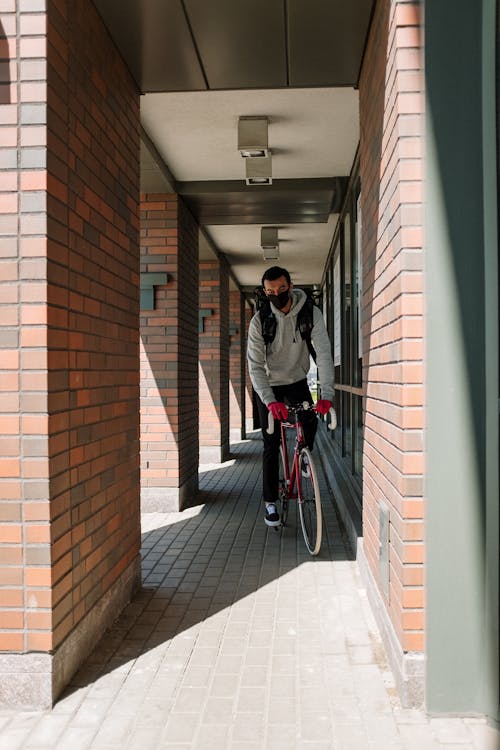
{"x": 259, "y": 171}
{"x": 252, "y": 137}
{"x": 269, "y": 243}
{"x": 268, "y": 238}
{"x": 272, "y": 254}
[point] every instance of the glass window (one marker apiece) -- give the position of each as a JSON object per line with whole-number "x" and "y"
{"x": 343, "y": 302}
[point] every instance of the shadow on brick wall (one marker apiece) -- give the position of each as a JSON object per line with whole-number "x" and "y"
{"x": 372, "y": 107}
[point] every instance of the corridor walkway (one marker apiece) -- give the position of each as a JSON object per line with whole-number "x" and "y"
{"x": 239, "y": 640}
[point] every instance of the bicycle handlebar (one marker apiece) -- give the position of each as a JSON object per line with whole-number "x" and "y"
{"x": 302, "y": 407}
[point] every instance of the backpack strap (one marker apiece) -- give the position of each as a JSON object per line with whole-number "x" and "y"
{"x": 269, "y": 324}
{"x": 268, "y": 320}
{"x": 305, "y": 323}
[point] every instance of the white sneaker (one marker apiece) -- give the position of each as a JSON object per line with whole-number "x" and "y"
{"x": 272, "y": 517}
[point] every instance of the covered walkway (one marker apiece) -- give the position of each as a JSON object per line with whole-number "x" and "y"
{"x": 238, "y": 639}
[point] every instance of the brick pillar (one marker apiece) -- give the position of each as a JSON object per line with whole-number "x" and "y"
{"x": 214, "y": 361}
{"x": 169, "y": 355}
{"x": 69, "y": 259}
{"x": 248, "y": 385}
{"x": 237, "y": 401}
{"x": 391, "y": 150}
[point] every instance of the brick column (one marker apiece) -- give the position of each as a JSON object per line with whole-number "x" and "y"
{"x": 169, "y": 355}
{"x": 391, "y": 150}
{"x": 237, "y": 401}
{"x": 214, "y": 361}
{"x": 69, "y": 486}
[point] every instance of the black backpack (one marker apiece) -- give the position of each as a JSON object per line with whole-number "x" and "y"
{"x": 305, "y": 318}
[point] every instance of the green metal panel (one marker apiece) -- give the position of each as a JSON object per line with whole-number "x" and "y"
{"x": 147, "y": 293}
{"x": 491, "y": 124}
{"x": 459, "y": 223}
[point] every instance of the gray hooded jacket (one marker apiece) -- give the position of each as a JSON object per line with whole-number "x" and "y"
{"x": 287, "y": 357}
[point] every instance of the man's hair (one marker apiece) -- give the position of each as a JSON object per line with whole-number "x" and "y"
{"x": 274, "y": 273}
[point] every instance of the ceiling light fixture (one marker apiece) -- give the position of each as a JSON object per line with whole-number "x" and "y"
{"x": 268, "y": 237}
{"x": 271, "y": 254}
{"x": 269, "y": 243}
{"x": 252, "y": 137}
{"x": 258, "y": 171}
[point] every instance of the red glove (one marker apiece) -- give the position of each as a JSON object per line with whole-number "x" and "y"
{"x": 278, "y": 410}
{"x": 323, "y": 406}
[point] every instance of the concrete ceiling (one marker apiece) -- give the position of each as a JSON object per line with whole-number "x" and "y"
{"x": 201, "y": 65}
{"x": 312, "y": 132}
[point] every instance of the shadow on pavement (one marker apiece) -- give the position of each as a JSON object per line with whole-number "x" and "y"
{"x": 197, "y": 563}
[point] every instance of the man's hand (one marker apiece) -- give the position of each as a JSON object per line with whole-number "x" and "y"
{"x": 278, "y": 410}
{"x": 323, "y": 406}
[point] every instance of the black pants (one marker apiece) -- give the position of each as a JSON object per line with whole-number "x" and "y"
{"x": 292, "y": 394}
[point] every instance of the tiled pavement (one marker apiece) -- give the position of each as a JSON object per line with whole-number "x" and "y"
{"x": 239, "y": 640}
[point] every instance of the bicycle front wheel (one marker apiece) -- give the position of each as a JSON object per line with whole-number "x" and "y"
{"x": 309, "y": 502}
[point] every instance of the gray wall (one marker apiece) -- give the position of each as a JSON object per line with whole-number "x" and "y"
{"x": 462, "y": 356}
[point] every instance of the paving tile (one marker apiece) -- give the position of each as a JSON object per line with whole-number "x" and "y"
{"x": 114, "y": 730}
{"x": 229, "y": 663}
{"x": 315, "y": 726}
{"x": 254, "y": 676}
{"x": 251, "y": 699}
{"x": 210, "y": 737}
{"x": 189, "y": 699}
{"x": 248, "y": 727}
{"x": 449, "y": 731}
{"x": 352, "y": 737}
{"x": 417, "y": 737}
{"x": 75, "y": 738}
{"x": 484, "y": 736}
{"x": 179, "y": 729}
{"x": 258, "y": 657}
{"x": 218, "y": 711}
{"x": 143, "y": 738}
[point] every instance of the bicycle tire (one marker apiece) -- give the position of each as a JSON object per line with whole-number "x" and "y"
{"x": 310, "y": 503}
{"x": 283, "y": 489}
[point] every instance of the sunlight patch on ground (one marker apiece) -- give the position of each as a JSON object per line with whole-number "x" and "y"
{"x": 213, "y": 467}
{"x": 152, "y": 521}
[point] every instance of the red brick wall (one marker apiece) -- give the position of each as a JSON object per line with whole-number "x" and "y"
{"x": 12, "y": 612}
{"x": 214, "y": 356}
{"x": 169, "y": 346}
{"x": 69, "y": 487}
{"x": 391, "y": 150}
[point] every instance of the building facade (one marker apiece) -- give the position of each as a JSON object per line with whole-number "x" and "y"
{"x": 119, "y": 332}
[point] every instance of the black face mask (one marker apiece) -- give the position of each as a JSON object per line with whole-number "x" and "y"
{"x": 280, "y": 300}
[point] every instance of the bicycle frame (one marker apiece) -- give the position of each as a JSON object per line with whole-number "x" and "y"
{"x": 292, "y": 473}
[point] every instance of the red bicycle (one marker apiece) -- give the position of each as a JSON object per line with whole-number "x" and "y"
{"x": 298, "y": 479}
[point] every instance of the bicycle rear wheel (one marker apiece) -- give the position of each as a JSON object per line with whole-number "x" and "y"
{"x": 283, "y": 489}
{"x": 309, "y": 502}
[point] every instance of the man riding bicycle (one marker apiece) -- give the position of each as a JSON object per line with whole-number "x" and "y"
{"x": 278, "y": 372}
